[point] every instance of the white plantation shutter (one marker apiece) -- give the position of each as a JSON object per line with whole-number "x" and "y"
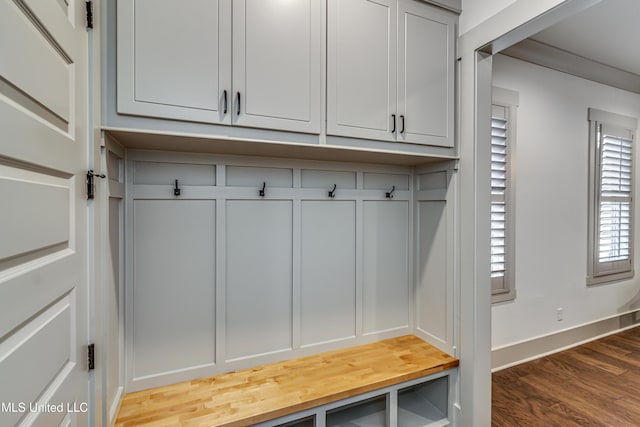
{"x": 614, "y": 207}
{"x": 611, "y": 197}
{"x": 503, "y": 125}
{"x": 499, "y": 182}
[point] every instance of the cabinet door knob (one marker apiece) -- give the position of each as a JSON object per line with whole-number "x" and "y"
{"x": 225, "y": 102}
{"x": 393, "y": 116}
{"x": 402, "y": 120}
{"x": 238, "y": 105}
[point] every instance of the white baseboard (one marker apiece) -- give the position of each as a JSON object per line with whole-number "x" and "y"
{"x": 115, "y": 406}
{"x": 525, "y": 351}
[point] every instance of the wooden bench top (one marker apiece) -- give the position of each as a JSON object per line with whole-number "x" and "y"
{"x": 270, "y": 391}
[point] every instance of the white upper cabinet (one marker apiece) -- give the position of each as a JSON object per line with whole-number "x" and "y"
{"x": 425, "y": 74}
{"x": 276, "y": 64}
{"x": 390, "y": 67}
{"x": 175, "y": 61}
{"x": 361, "y": 72}
{"x": 390, "y": 71}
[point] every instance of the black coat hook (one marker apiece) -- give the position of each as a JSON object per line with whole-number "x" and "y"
{"x": 264, "y": 185}
{"x": 176, "y": 190}
{"x": 389, "y": 194}
{"x": 332, "y": 193}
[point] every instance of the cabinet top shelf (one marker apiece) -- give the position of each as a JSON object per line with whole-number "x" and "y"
{"x": 270, "y": 391}
{"x": 200, "y": 143}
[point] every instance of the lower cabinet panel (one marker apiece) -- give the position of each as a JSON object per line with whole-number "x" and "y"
{"x": 259, "y": 277}
{"x": 386, "y": 265}
{"x": 173, "y": 297}
{"x": 328, "y": 271}
{"x": 433, "y": 290}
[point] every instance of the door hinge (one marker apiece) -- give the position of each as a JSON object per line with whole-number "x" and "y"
{"x": 91, "y": 358}
{"x": 89, "y": 6}
{"x": 90, "y": 184}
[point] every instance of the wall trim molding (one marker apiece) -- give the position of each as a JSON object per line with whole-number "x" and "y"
{"x": 548, "y": 56}
{"x": 524, "y": 351}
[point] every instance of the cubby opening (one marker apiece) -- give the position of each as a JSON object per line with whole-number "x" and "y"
{"x": 424, "y": 404}
{"x": 368, "y": 413}
{"x": 304, "y": 422}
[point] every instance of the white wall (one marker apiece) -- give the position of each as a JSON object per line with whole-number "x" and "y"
{"x": 475, "y": 11}
{"x": 551, "y": 204}
{"x": 501, "y": 16}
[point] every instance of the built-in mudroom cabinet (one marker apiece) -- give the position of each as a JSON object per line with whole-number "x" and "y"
{"x": 261, "y": 67}
{"x": 282, "y": 181}
{"x": 390, "y": 71}
{"x": 235, "y": 261}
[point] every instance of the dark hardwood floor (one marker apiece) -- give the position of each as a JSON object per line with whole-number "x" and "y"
{"x": 596, "y": 384}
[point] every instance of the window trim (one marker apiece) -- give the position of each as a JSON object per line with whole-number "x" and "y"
{"x": 509, "y": 100}
{"x": 597, "y": 118}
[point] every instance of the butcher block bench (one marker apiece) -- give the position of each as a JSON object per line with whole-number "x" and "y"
{"x": 397, "y": 382}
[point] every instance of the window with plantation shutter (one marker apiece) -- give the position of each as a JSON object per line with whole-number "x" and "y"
{"x": 611, "y": 197}
{"x": 498, "y": 199}
{"x": 502, "y": 185}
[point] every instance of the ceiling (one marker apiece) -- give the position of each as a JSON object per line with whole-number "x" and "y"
{"x": 601, "y": 44}
{"x": 608, "y": 33}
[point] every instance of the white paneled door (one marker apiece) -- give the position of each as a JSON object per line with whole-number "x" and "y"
{"x": 43, "y": 220}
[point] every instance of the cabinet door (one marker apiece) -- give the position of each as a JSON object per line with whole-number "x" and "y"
{"x": 174, "y": 59}
{"x": 361, "y": 68}
{"x": 425, "y": 74}
{"x": 277, "y": 50}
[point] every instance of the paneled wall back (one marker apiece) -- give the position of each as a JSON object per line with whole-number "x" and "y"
{"x": 223, "y": 277}
{"x": 435, "y": 285}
